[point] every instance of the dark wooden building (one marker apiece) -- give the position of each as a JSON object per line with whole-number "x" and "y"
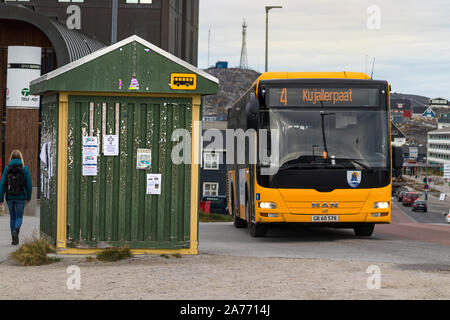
{"x": 21, "y": 26}
{"x": 171, "y": 25}
{"x": 48, "y": 24}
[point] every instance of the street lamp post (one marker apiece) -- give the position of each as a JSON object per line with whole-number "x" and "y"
{"x": 426, "y": 177}
{"x": 268, "y": 8}
{"x": 114, "y": 10}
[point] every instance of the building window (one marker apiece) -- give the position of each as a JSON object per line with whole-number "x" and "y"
{"x": 139, "y": 1}
{"x": 210, "y": 188}
{"x": 71, "y": 1}
{"x": 211, "y": 161}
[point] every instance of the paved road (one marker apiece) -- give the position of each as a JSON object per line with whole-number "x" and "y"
{"x": 414, "y": 245}
{"x": 411, "y": 244}
{"x": 435, "y": 213}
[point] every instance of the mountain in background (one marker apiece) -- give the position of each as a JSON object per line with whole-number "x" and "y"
{"x": 409, "y": 99}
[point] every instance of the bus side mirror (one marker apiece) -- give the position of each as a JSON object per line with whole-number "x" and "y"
{"x": 397, "y": 158}
{"x": 252, "y": 112}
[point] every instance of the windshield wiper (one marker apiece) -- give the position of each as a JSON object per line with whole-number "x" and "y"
{"x": 311, "y": 165}
{"x": 358, "y": 162}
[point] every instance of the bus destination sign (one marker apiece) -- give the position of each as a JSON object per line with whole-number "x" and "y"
{"x": 326, "y": 97}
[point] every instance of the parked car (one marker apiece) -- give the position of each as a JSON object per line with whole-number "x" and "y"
{"x": 419, "y": 205}
{"x": 409, "y": 198}
{"x": 214, "y": 204}
{"x": 448, "y": 217}
{"x": 395, "y": 192}
{"x": 400, "y": 195}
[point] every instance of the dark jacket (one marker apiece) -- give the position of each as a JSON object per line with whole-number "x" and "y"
{"x": 28, "y": 183}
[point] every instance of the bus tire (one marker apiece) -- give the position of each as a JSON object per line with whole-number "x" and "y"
{"x": 237, "y": 222}
{"x": 255, "y": 229}
{"x": 364, "y": 230}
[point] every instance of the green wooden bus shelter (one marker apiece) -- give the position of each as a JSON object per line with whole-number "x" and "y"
{"x": 107, "y": 173}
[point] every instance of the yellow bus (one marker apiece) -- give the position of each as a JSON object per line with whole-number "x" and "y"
{"x": 312, "y": 149}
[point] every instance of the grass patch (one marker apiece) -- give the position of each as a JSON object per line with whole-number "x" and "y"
{"x": 214, "y": 217}
{"x": 114, "y": 254}
{"x": 34, "y": 252}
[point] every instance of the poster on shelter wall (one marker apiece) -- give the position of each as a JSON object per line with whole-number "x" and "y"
{"x": 111, "y": 145}
{"x": 153, "y": 183}
{"x": 144, "y": 159}
{"x": 89, "y": 156}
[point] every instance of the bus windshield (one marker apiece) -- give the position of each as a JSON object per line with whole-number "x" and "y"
{"x": 330, "y": 138}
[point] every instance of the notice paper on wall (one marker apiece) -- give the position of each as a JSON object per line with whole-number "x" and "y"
{"x": 90, "y": 146}
{"x": 89, "y": 156}
{"x": 89, "y": 170}
{"x": 153, "y": 183}
{"x": 111, "y": 145}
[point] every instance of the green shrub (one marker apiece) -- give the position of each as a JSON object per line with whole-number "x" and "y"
{"x": 114, "y": 254}
{"x": 34, "y": 252}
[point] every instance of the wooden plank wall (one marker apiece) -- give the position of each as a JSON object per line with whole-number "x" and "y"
{"x": 113, "y": 206}
{"x": 22, "y": 132}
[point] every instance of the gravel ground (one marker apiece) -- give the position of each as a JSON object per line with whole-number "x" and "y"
{"x": 222, "y": 277}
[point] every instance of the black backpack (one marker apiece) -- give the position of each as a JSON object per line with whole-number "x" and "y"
{"x": 15, "y": 181}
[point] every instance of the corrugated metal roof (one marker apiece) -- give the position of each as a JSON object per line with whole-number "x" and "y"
{"x": 70, "y": 45}
{"x": 78, "y": 44}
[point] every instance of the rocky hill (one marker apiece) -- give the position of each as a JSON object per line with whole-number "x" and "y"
{"x": 414, "y": 100}
{"x": 233, "y": 83}
{"x": 416, "y": 130}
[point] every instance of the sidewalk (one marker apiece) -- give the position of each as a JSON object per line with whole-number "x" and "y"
{"x": 30, "y": 224}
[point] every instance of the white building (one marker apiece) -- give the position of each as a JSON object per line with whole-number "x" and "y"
{"x": 443, "y": 122}
{"x": 438, "y": 146}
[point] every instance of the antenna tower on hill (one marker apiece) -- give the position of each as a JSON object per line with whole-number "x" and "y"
{"x": 244, "y": 62}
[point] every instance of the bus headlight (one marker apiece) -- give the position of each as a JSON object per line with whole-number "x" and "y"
{"x": 381, "y": 205}
{"x": 267, "y": 205}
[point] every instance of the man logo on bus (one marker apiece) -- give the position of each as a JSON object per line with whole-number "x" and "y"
{"x": 353, "y": 178}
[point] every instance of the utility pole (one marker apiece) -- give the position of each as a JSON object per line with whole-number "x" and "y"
{"x": 115, "y": 9}
{"x": 268, "y": 8}
{"x": 209, "y": 45}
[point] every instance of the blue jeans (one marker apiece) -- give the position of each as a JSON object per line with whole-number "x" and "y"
{"x": 16, "y": 208}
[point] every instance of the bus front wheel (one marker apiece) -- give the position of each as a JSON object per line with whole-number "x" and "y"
{"x": 364, "y": 230}
{"x": 255, "y": 229}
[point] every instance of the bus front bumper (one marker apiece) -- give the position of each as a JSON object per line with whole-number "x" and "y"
{"x": 365, "y": 217}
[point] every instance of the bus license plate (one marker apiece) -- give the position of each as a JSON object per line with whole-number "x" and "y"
{"x": 325, "y": 218}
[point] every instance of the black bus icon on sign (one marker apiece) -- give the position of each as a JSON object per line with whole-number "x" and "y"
{"x": 183, "y": 81}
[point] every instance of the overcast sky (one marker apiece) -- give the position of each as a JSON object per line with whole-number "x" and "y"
{"x": 411, "y": 47}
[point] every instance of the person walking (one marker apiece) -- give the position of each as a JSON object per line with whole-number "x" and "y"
{"x": 16, "y": 184}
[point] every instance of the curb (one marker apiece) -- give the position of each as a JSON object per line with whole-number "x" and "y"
{"x": 69, "y": 256}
